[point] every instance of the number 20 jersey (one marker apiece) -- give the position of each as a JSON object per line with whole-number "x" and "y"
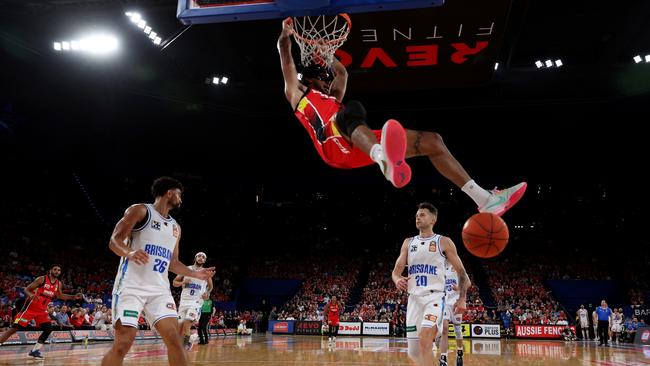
{"x": 426, "y": 266}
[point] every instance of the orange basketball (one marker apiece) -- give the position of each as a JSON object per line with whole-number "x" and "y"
{"x": 485, "y": 235}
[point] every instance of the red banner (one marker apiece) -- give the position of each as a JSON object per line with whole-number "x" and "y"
{"x": 450, "y": 46}
{"x": 541, "y": 331}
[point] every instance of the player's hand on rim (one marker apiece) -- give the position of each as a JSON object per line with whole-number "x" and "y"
{"x": 138, "y": 256}
{"x": 287, "y": 27}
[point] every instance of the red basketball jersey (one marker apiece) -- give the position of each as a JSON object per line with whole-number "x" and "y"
{"x": 333, "y": 314}
{"x": 317, "y": 112}
{"x": 44, "y": 294}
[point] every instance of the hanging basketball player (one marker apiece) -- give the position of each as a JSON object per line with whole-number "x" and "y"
{"x": 344, "y": 140}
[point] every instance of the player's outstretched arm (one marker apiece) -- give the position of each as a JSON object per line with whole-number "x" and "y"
{"x": 292, "y": 87}
{"x": 61, "y": 296}
{"x": 178, "y": 281}
{"x": 176, "y": 266}
{"x": 400, "y": 281}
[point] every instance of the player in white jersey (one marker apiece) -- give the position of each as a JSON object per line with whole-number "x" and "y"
{"x": 192, "y": 296}
{"x": 583, "y": 318}
{"x": 617, "y": 325}
{"x": 594, "y": 318}
{"x": 426, "y": 255}
{"x": 451, "y": 296}
{"x": 147, "y": 240}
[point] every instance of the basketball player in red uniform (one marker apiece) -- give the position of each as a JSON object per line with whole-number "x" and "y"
{"x": 343, "y": 139}
{"x": 332, "y": 311}
{"x": 39, "y": 294}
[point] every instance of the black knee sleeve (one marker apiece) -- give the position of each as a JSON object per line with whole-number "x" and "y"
{"x": 351, "y": 116}
{"x": 47, "y": 329}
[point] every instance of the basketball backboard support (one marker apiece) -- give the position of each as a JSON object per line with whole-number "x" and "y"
{"x": 219, "y": 11}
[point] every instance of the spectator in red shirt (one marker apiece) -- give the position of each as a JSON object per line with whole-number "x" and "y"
{"x": 77, "y": 319}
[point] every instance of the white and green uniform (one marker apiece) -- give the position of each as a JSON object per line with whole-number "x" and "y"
{"x": 426, "y": 284}
{"x": 145, "y": 287}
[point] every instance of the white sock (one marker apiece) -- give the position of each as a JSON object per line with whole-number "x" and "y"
{"x": 376, "y": 153}
{"x": 476, "y": 193}
{"x": 37, "y": 346}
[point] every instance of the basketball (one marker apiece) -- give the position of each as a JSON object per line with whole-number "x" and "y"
{"x": 485, "y": 235}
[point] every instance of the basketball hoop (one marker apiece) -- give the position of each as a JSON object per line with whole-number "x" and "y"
{"x": 320, "y": 36}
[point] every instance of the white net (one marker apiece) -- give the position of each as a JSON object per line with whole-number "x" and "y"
{"x": 320, "y": 36}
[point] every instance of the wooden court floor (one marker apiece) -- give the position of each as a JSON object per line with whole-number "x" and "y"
{"x": 312, "y": 350}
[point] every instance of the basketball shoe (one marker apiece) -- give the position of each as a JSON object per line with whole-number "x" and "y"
{"x": 501, "y": 201}
{"x": 393, "y": 145}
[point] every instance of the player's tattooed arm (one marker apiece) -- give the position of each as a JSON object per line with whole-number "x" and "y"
{"x": 463, "y": 283}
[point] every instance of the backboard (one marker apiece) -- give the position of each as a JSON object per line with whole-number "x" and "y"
{"x": 219, "y": 11}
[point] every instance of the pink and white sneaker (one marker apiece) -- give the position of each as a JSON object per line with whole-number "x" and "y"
{"x": 393, "y": 144}
{"x": 501, "y": 201}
